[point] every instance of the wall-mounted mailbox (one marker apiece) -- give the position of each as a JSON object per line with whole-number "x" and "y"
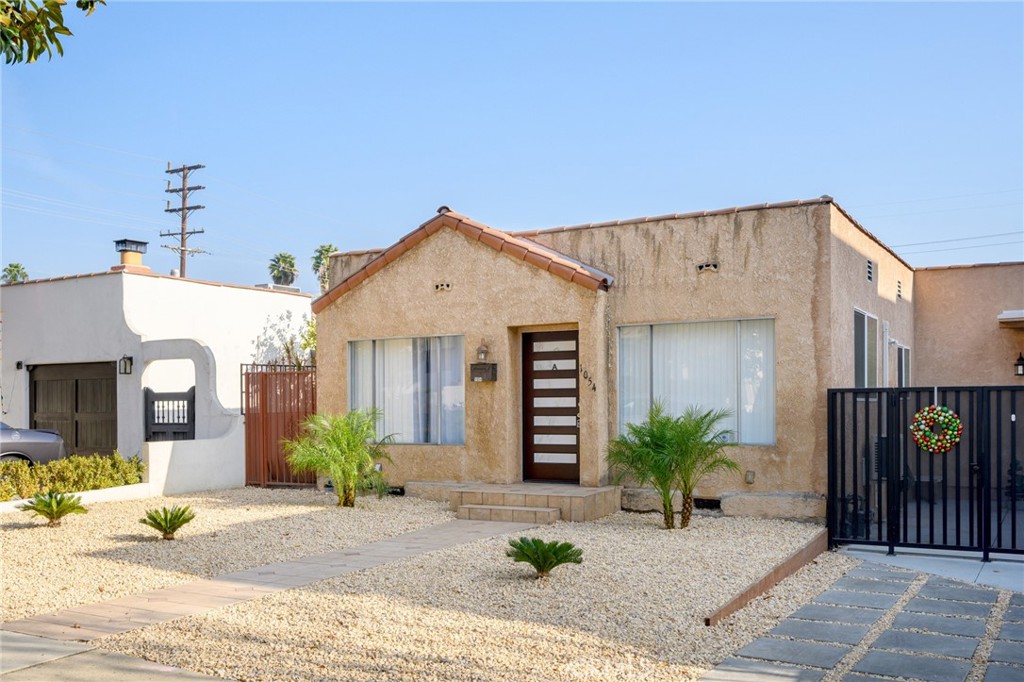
{"x": 483, "y": 371}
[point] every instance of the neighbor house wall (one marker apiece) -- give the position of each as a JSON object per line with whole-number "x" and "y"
{"x": 177, "y": 331}
{"x": 492, "y": 297}
{"x": 959, "y": 341}
{"x": 773, "y": 263}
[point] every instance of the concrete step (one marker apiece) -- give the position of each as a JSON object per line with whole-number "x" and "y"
{"x": 498, "y": 512}
{"x": 574, "y": 503}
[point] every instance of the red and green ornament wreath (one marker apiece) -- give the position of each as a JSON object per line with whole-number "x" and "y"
{"x": 936, "y": 441}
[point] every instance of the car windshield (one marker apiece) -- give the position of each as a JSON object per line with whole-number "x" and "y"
{"x": 3, "y": 425}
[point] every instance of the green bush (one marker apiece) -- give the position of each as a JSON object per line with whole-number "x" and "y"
{"x": 53, "y": 507}
{"x": 168, "y": 521}
{"x": 544, "y": 556}
{"x": 71, "y": 474}
{"x": 17, "y": 480}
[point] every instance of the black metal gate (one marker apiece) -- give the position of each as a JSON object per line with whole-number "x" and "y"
{"x": 885, "y": 490}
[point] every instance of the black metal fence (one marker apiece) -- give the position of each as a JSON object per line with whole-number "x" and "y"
{"x": 170, "y": 416}
{"x": 885, "y": 490}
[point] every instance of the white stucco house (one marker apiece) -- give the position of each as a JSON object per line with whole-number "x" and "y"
{"x": 78, "y": 353}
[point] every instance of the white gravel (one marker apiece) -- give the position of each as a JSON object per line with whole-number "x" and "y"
{"x": 632, "y": 611}
{"x": 107, "y": 553}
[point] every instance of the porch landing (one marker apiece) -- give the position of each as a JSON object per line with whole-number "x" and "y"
{"x": 540, "y": 503}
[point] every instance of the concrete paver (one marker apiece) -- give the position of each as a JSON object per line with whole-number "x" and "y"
{"x": 103, "y": 666}
{"x": 914, "y": 667}
{"x": 21, "y": 651}
{"x": 933, "y": 638}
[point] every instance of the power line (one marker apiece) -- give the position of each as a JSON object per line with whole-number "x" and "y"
{"x": 978, "y": 246}
{"x": 70, "y": 216}
{"x": 61, "y": 203}
{"x": 60, "y": 138}
{"x": 961, "y": 239}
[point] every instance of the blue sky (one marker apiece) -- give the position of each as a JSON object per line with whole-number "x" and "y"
{"x": 350, "y": 123}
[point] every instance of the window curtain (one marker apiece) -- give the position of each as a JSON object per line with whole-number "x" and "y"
{"x": 418, "y": 384}
{"x": 713, "y": 365}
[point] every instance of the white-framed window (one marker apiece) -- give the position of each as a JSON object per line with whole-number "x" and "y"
{"x": 418, "y": 384}
{"x": 902, "y": 366}
{"x": 715, "y": 365}
{"x": 865, "y": 350}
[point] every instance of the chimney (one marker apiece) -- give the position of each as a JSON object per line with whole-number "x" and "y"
{"x": 131, "y": 256}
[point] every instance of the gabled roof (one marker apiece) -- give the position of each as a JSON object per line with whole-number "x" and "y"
{"x": 519, "y": 248}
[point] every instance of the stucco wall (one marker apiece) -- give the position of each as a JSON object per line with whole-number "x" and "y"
{"x": 851, "y": 290}
{"x": 959, "y": 342}
{"x": 771, "y": 264}
{"x": 493, "y": 297}
{"x": 212, "y": 328}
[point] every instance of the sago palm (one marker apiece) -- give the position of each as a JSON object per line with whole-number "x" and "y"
{"x": 345, "y": 449}
{"x": 544, "y": 556}
{"x": 53, "y": 506}
{"x": 168, "y": 521}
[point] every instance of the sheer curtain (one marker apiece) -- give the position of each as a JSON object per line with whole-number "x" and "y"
{"x": 713, "y": 365}
{"x": 695, "y": 364}
{"x": 418, "y": 384}
{"x": 634, "y": 375}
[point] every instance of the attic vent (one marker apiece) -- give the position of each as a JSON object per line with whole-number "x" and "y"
{"x": 899, "y": 289}
{"x": 711, "y": 266}
{"x": 871, "y": 270}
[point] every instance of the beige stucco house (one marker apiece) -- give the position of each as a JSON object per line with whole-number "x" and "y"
{"x": 500, "y": 357}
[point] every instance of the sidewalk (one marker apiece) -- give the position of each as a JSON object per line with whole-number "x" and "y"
{"x": 55, "y": 646}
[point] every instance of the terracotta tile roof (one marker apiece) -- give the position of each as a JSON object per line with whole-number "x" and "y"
{"x": 516, "y": 247}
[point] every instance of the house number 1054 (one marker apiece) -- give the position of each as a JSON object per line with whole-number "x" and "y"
{"x": 586, "y": 377}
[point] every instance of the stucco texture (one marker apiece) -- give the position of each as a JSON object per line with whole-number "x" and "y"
{"x": 493, "y": 297}
{"x": 768, "y": 263}
{"x": 959, "y": 340}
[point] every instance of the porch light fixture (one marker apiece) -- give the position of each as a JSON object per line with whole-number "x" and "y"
{"x": 124, "y": 365}
{"x": 481, "y": 351}
{"x": 1018, "y": 367}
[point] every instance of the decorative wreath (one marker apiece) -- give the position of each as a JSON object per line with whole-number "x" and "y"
{"x": 948, "y": 434}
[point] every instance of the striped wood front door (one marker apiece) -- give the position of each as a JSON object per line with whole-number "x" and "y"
{"x": 551, "y": 396}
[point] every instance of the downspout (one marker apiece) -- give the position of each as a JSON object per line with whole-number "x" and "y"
{"x": 885, "y": 354}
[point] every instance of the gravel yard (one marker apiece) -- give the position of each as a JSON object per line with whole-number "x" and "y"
{"x": 632, "y": 611}
{"x": 107, "y": 553}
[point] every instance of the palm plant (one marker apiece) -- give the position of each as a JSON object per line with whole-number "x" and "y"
{"x": 282, "y": 268}
{"x": 321, "y": 263}
{"x": 673, "y": 454}
{"x": 168, "y": 521}
{"x": 544, "y": 556}
{"x": 53, "y": 506}
{"x": 14, "y": 272}
{"x": 344, "y": 448}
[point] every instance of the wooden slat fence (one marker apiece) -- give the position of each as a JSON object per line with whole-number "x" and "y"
{"x": 275, "y": 401}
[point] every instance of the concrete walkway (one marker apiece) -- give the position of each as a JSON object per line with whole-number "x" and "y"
{"x": 878, "y": 623}
{"x": 56, "y": 646}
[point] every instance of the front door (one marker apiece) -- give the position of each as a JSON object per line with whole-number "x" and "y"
{"x": 551, "y": 397}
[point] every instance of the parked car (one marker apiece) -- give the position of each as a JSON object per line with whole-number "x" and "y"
{"x": 37, "y": 446}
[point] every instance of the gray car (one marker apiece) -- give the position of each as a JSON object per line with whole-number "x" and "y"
{"x": 37, "y": 446}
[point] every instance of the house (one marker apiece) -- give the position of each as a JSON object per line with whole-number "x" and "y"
{"x": 141, "y": 363}
{"x": 500, "y": 357}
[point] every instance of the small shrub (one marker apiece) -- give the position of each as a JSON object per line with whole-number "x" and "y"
{"x": 53, "y": 506}
{"x": 544, "y": 556}
{"x": 168, "y": 521}
{"x": 17, "y": 480}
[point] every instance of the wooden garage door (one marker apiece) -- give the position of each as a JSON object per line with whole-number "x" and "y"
{"x": 80, "y": 402}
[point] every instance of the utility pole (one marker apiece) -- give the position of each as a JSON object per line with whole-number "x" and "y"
{"x": 182, "y": 249}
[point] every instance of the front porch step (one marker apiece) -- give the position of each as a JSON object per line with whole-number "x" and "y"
{"x": 498, "y": 512}
{"x": 572, "y": 502}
